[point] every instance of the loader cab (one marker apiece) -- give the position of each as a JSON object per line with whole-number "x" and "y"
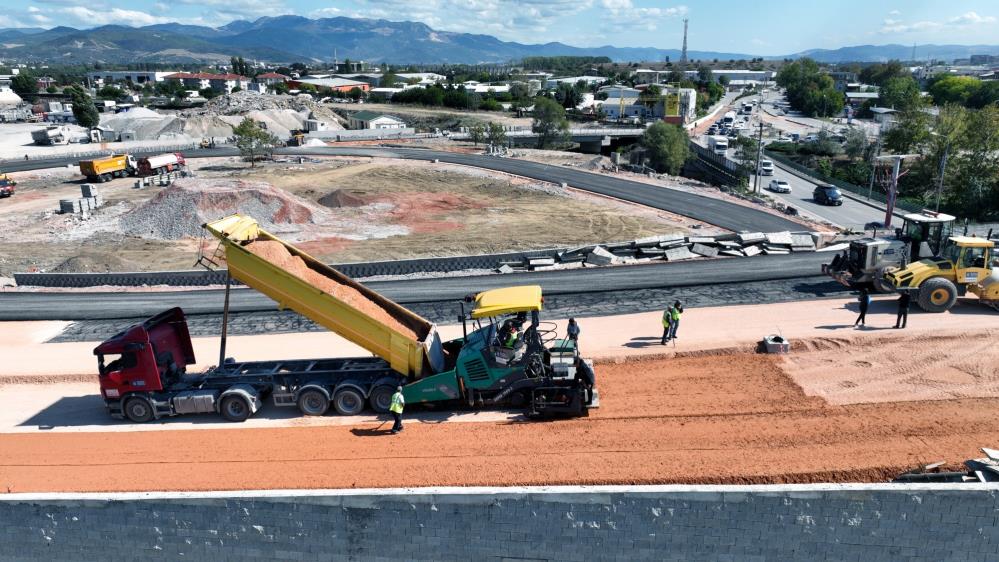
{"x": 971, "y": 258}
{"x": 926, "y": 233}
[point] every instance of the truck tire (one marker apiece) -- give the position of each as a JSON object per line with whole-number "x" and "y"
{"x": 313, "y": 402}
{"x": 138, "y": 409}
{"x": 937, "y": 295}
{"x": 348, "y": 402}
{"x": 381, "y": 398}
{"x": 234, "y": 408}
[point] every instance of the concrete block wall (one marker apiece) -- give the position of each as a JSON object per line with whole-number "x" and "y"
{"x": 737, "y": 523}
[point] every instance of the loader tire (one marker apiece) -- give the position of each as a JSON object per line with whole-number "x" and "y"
{"x": 937, "y": 295}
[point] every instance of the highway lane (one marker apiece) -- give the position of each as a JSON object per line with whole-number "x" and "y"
{"x": 721, "y": 213}
{"x": 16, "y": 306}
{"x": 851, "y": 213}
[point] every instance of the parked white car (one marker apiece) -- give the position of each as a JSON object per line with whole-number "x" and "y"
{"x": 779, "y": 186}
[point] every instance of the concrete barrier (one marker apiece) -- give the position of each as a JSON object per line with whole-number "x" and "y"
{"x": 791, "y": 522}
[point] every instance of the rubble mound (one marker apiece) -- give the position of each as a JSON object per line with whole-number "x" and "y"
{"x": 341, "y": 198}
{"x": 277, "y": 254}
{"x": 243, "y": 102}
{"x": 179, "y": 210}
{"x": 92, "y": 264}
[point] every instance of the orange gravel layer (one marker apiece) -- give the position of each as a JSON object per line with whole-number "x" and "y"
{"x": 277, "y": 254}
{"x": 708, "y": 419}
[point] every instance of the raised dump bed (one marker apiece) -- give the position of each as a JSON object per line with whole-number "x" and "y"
{"x": 296, "y": 280}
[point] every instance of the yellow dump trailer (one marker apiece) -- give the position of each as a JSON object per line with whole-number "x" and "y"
{"x": 414, "y": 357}
{"x": 104, "y": 169}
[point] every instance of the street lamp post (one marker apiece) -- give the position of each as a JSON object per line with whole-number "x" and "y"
{"x": 759, "y": 141}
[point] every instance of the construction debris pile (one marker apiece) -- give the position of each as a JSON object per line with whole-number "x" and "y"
{"x": 278, "y": 254}
{"x": 243, "y": 103}
{"x": 179, "y": 210}
{"x": 89, "y": 202}
{"x": 978, "y": 471}
{"x": 671, "y": 247}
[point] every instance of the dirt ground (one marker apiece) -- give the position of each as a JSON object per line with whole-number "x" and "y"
{"x": 845, "y": 405}
{"x": 403, "y": 209}
{"x": 731, "y": 418}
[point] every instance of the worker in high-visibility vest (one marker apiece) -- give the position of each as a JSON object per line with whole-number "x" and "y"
{"x": 398, "y": 403}
{"x": 675, "y": 311}
{"x": 667, "y": 325}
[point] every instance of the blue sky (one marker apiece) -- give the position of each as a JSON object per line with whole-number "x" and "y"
{"x": 770, "y": 28}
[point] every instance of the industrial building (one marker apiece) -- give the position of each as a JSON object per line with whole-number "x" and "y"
{"x": 673, "y": 105}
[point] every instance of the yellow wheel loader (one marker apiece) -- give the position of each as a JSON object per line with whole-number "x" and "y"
{"x": 965, "y": 264}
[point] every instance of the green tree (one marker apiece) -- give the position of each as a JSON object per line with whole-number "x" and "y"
{"x": 987, "y": 95}
{"x": 856, "y": 143}
{"x": 519, "y": 91}
{"x": 495, "y": 134}
{"x": 110, "y": 93}
{"x": 25, "y": 85}
{"x": 724, "y": 80}
{"x": 949, "y": 126}
{"x": 901, "y": 93}
{"x": 908, "y": 132}
{"x": 667, "y": 146}
{"x": 954, "y": 89}
{"x": 879, "y": 73}
{"x": 84, "y": 110}
{"x": 208, "y": 93}
{"x": 280, "y": 88}
{"x": 809, "y": 89}
{"x": 489, "y": 104}
{"x": 703, "y": 74}
{"x": 355, "y": 93}
{"x": 568, "y": 95}
{"x": 477, "y": 132}
{"x": 252, "y": 140}
{"x": 975, "y": 181}
{"x": 388, "y": 80}
{"x": 549, "y": 122}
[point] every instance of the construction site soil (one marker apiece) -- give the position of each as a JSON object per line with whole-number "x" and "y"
{"x": 696, "y": 417}
{"x": 337, "y": 209}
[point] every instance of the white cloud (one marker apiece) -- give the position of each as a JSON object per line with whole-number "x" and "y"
{"x": 894, "y": 13}
{"x": 971, "y": 18}
{"x": 326, "y": 13}
{"x": 623, "y": 15}
{"x": 105, "y": 16}
{"x": 965, "y": 20}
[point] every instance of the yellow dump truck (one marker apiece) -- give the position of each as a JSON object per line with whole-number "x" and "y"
{"x": 508, "y": 358}
{"x": 109, "y": 167}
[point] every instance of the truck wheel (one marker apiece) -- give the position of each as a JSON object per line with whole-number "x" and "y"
{"x": 381, "y": 398}
{"x": 313, "y": 402}
{"x": 138, "y": 410}
{"x": 234, "y": 408}
{"x": 517, "y": 399}
{"x": 937, "y": 295}
{"x": 348, "y": 402}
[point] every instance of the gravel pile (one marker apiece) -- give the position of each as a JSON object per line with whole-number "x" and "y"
{"x": 241, "y": 103}
{"x": 179, "y": 210}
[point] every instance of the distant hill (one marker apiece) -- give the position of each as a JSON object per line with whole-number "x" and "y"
{"x": 882, "y": 53}
{"x": 296, "y": 38}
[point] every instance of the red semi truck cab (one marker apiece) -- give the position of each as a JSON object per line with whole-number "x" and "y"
{"x": 145, "y": 357}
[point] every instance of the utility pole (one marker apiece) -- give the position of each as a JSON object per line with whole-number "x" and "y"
{"x": 874, "y": 163}
{"x": 759, "y": 141}
{"x": 940, "y": 180}
{"x": 893, "y": 186}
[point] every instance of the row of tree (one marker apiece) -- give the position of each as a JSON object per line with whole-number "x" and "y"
{"x": 809, "y": 89}
{"x": 957, "y": 149}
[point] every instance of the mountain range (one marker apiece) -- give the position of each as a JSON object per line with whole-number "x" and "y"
{"x": 296, "y": 38}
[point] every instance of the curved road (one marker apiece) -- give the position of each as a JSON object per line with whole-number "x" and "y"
{"x": 18, "y": 306}
{"x": 727, "y": 215}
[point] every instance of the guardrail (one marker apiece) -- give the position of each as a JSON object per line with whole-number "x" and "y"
{"x": 852, "y": 188}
